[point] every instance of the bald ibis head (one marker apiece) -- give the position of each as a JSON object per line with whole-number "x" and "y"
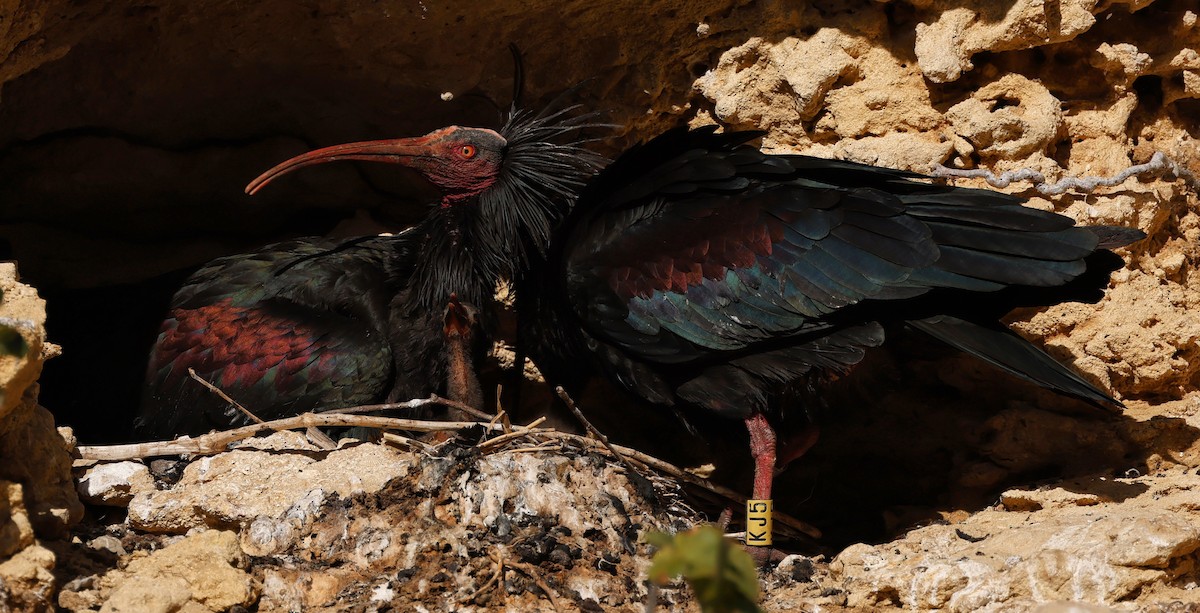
{"x": 463, "y": 162}
{"x": 502, "y": 192}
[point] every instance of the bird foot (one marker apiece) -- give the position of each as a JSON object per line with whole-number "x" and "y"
{"x": 762, "y": 556}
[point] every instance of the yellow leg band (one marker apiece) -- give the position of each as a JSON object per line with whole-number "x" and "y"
{"x": 758, "y": 523}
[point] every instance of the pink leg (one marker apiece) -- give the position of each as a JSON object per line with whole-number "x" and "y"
{"x": 762, "y": 449}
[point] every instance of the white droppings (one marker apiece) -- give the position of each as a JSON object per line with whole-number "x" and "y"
{"x": 382, "y": 593}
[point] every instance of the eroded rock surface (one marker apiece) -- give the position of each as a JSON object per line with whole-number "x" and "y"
{"x": 37, "y": 495}
{"x": 114, "y": 483}
{"x": 201, "y": 572}
{"x": 431, "y": 534}
{"x": 1100, "y": 544}
{"x": 231, "y": 489}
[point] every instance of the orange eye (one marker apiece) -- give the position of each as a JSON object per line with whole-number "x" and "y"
{"x": 467, "y": 151}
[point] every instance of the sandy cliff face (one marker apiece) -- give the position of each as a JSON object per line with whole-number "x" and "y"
{"x": 127, "y": 133}
{"x": 37, "y": 495}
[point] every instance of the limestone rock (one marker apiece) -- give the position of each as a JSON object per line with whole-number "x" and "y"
{"x": 23, "y": 311}
{"x": 198, "y": 573}
{"x": 944, "y": 47}
{"x": 1009, "y": 118}
{"x": 1099, "y": 553}
{"x": 32, "y": 451}
{"x": 895, "y": 150}
{"x": 149, "y": 593}
{"x": 771, "y": 84}
{"x": 1035, "y": 500}
{"x": 36, "y": 498}
{"x": 231, "y": 489}
{"x": 16, "y": 533}
{"x": 1072, "y": 607}
{"x": 1124, "y": 57}
{"x": 27, "y": 581}
{"x": 114, "y": 483}
{"x": 1140, "y": 346}
{"x": 833, "y": 94}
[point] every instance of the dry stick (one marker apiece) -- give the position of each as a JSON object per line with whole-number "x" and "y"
{"x": 547, "y": 446}
{"x": 216, "y": 442}
{"x": 496, "y": 418}
{"x": 524, "y": 431}
{"x": 411, "y": 404}
{"x": 320, "y": 439}
{"x": 314, "y": 435}
{"x": 499, "y": 560}
{"x": 531, "y": 570}
{"x": 501, "y": 414}
{"x": 562, "y": 393}
{"x": 317, "y": 437}
{"x": 216, "y": 390}
{"x": 410, "y": 443}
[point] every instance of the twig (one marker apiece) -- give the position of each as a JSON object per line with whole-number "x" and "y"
{"x": 410, "y": 404}
{"x": 320, "y": 439}
{"x": 404, "y": 441}
{"x": 216, "y": 442}
{"x": 547, "y": 446}
{"x": 500, "y": 415}
{"x": 216, "y": 390}
{"x": 566, "y": 398}
{"x": 531, "y": 570}
{"x": 1158, "y": 164}
{"x": 523, "y": 431}
{"x": 499, "y": 560}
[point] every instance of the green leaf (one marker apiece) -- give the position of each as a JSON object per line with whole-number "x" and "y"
{"x": 12, "y": 343}
{"x": 723, "y": 576}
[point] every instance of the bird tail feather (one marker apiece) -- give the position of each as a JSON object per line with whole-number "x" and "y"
{"x": 1112, "y": 237}
{"x": 1004, "y": 349}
